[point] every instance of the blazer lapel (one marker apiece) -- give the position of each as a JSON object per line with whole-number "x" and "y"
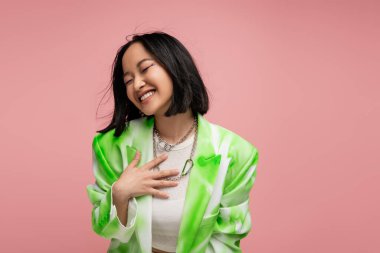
{"x": 200, "y": 186}
{"x": 142, "y": 141}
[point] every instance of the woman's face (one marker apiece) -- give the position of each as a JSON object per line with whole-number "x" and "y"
{"x": 148, "y": 85}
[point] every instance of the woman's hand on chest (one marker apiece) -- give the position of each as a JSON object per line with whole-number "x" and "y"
{"x": 135, "y": 181}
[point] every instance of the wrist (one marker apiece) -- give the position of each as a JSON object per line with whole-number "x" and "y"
{"x": 120, "y": 195}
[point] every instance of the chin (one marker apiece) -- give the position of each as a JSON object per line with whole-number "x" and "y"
{"x": 149, "y": 112}
{"x": 154, "y": 109}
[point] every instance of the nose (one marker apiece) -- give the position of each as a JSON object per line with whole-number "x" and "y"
{"x": 139, "y": 84}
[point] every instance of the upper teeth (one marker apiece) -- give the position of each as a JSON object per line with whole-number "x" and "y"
{"x": 150, "y": 93}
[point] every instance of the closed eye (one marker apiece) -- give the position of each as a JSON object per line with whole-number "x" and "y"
{"x": 147, "y": 68}
{"x": 144, "y": 70}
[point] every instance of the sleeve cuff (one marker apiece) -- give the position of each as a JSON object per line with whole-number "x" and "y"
{"x": 114, "y": 228}
{"x": 132, "y": 212}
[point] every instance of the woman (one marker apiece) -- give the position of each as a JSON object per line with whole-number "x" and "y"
{"x": 167, "y": 180}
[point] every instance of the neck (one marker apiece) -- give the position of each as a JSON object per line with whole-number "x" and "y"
{"x": 173, "y": 128}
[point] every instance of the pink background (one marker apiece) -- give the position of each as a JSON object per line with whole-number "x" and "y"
{"x": 299, "y": 79}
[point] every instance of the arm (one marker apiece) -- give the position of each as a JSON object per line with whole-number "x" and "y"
{"x": 121, "y": 208}
{"x": 105, "y": 220}
{"x": 234, "y": 221}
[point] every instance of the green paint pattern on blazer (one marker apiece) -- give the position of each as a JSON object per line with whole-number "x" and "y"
{"x": 216, "y": 213}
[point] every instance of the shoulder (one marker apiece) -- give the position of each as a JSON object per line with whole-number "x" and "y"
{"x": 242, "y": 154}
{"x": 243, "y": 158}
{"x": 108, "y": 139}
{"x": 235, "y": 142}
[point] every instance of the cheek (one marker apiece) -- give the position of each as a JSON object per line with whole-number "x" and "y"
{"x": 130, "y": 95}
{"x": 164, "y": 92}
{"x": 162, "y": 81}
{"x": 166, "y": 86}
{"x": 169, "y": 89}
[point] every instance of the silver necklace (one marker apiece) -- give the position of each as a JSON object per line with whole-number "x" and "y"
{"x": 164, "y": 146}
{"x": 167, "y": 147}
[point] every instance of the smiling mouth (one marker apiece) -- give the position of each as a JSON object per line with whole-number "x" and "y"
{"x": 147, "y": 95}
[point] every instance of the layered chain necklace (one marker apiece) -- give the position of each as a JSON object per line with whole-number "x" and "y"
{"x": 162, "y": 145}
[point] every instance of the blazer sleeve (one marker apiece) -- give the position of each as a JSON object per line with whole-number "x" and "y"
{"x": 105, "y": 221}
{"x": 234, "y": 221}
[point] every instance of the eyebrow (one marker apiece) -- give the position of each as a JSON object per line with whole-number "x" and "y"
{"x": 138, "y": 65}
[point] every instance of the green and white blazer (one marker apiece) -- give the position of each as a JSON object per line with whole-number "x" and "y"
{"x": 216, "y": 214}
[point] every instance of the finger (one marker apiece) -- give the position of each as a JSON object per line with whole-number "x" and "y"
{"x": 163, "y": 183}
{"x": 135, "y": 159}
{"x": 164, "y": 173}
{"x": 159, "y": 194}
{"x": 153, "y": 163}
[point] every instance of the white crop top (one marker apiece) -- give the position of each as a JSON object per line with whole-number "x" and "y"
{"x": 167, "y": 213}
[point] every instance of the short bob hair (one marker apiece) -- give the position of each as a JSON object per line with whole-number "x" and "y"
{"x": 189, "y": 90}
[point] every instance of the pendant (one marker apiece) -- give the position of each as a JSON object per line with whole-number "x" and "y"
{"x": 188, "y": 163}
